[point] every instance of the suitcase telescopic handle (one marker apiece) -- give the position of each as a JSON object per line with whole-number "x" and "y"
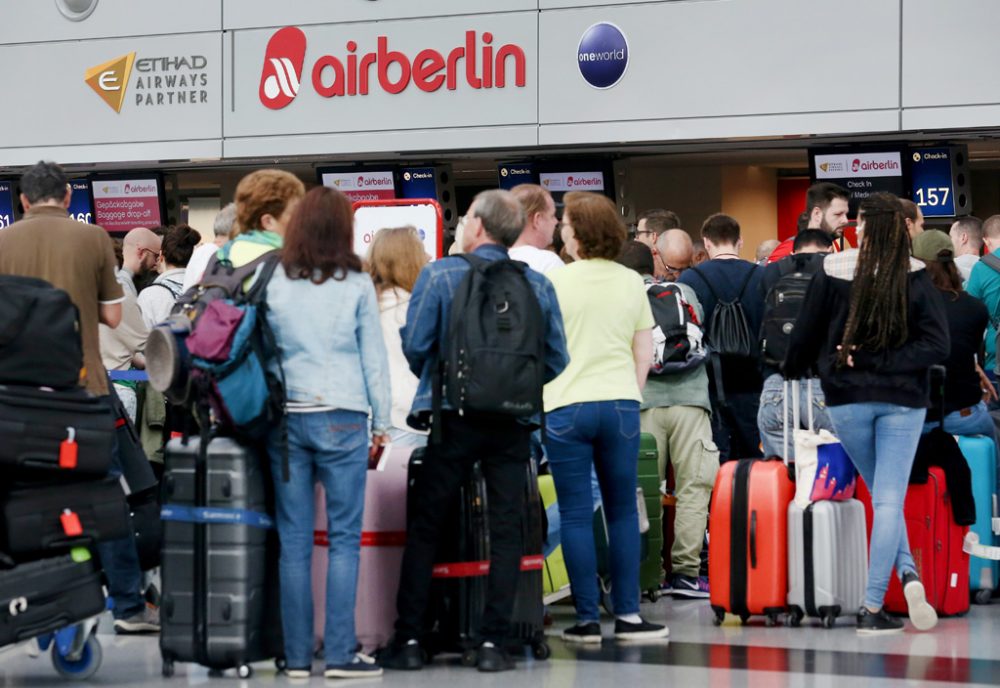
{"x": 753, "y": 539}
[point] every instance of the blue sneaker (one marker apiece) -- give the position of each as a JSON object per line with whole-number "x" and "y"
{"x": 666, "y": 587}
{"x": 689, "y": 587}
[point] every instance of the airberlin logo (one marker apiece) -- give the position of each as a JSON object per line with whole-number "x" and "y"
{"x": 476, "y": 61}
{"x": 279, "y": 82}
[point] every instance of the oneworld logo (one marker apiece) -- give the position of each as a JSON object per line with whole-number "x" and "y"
{"x": 477, "y": 62}
{"x": 603, "y": 55}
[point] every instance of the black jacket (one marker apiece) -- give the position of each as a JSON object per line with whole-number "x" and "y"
{"x": 895, "y": 376}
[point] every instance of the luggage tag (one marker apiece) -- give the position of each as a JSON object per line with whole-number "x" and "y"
{"x": 71, "y": 523}
{"x": 68, "y": 450}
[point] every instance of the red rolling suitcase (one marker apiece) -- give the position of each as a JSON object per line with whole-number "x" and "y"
{"x": 936, "y": 544}
{"x": 748, "y": 539}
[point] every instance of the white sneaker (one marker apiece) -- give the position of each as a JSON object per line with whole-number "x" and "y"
{"x": 922, "y": 614}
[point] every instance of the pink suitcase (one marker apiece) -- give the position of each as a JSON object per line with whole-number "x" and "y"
{"x": 383, "y": 536}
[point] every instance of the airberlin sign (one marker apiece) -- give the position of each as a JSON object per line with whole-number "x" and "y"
{"x": 476, "y": 61}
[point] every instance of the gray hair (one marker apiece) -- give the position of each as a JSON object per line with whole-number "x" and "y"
{"x": 502, "y": 215}
{"x": 224, "y": 221}
{"x": 45, "y": 181}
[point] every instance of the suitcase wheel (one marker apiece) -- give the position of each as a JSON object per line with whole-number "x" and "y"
{"x": 982, "y": 596}
{"x": 652, "y": 595}
{"x": 244, "y": 671}
{"x": 718, "y": 617}
{"x": 744, "y": 618}
{"x": 470, "y": 657}
{"x": 167, "y": 671}
{"x": 540, "y": 650}
{"x": 794, "y": 618}
{"x": 82, "y": 668}
{"x": 771, "y": 620}
{"x": 280, "y": 663}
{"x": 829, "y": 620}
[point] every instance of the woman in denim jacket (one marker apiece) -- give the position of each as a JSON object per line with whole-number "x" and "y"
{"x": 325, "y": 318}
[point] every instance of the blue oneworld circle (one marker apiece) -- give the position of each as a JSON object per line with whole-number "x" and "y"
{"x": 602, "y": 55}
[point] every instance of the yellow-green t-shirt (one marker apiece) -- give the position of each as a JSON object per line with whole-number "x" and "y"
{"x": 603, "y": 304}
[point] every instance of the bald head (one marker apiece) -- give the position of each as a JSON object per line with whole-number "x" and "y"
{"x": 675, "y": 249}
{"x": 140, "y": 250}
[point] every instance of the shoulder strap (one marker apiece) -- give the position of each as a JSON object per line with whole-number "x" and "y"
{"x": 992, "y": 261}
{"x": 707, "y": 283}
{"x": 786, "y": 266}
{"x": 173, "y": 293}
{"x": 746, "y": 281}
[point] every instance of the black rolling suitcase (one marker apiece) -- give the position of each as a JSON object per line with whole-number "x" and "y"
{"x": 459, "y": 595}
{"x": 220, "y": 605}
{"x": 41, "y": 517}
{"x": 65, "y": 434}
{"x": 47, "y": 595}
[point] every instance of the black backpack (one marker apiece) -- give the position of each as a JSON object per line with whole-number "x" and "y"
{"x": 40, "y": 343}
{"x": 678, "y": 340}
{"x": 729, "y": 332}
{"x": 783, "y": 304}
{"x": 494, "y": 359}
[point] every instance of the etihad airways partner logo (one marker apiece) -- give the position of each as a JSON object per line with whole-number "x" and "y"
{"x": 482, "y": 66}
{"x": 175, "y": 80}
{"x": 109, "y": 80}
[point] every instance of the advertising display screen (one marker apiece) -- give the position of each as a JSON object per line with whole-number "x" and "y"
{"x": 79, "y": 204}
{"x": 126, "y": 203}
{"x": 6, "y": 204}
{"x": 862, "y": 173}
{"x": 512, "y": 174}
{"x": 418, "y": 182}
{"x": 361, "y": 185}
{"x": 425, "y": 215}
{"x": 557, "y": 182}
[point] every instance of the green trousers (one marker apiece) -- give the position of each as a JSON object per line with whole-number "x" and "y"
{"x": 684, "y": 439}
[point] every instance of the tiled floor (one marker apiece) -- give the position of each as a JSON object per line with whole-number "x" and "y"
{"x": 962, "y": 651}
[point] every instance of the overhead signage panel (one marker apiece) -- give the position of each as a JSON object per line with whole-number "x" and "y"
{"x": 362, "y": 185}
{"x": 124, "y": 204}
{"x": 6, "y": 204}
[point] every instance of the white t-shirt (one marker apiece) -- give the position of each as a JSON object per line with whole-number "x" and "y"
{"x": 965, "y": 263}
{"x": 196, "y": 266}
{"x": 157, "y": 300}
{"x": 537, "y": 259}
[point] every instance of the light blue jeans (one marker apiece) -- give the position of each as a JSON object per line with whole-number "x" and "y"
{"x": 331, "y": 448}
{"x": 881, "y": 440}
{"x": 978, "y": 422}
{"x": 769, "y": 414}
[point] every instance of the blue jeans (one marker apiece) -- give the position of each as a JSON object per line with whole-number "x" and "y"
{"x": 769, "y": 415}
{"x": 601, "y": 435}
{"x": 979, "y": 422}
{"x": 881, "y": 440}
{"x": 331, "y": 448}
{"x": 120, "y": 561}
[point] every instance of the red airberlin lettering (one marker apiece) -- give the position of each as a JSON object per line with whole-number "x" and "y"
{"x": 429, "y": 70}
{"x": 282, "y": 73}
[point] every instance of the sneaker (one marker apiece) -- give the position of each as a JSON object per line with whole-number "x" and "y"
{"x": 639, "y": 631}
{"x": 146, "y": 621}
{"x": 583, "y": 633}
{"x": 492, "y": 658}
{"x": 402, "y": 655}
{"x": 298, "y": 673}
{"x": 877, "y": 623}
{"x": 666, "y": 587}
{"x": 689, "y": 587}
{"x": 922, "y": 614}
{"x": 361, "y": 666}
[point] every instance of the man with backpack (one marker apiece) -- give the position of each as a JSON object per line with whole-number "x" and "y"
{"x": 484, "y": 334}
{"x": 783, "y": 288}
{"x": 676, "y": 409}
{"x": 728, "y": 288}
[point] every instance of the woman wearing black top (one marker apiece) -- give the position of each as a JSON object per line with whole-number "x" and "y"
{"x": 872, "y": 323}
{"x": 964, "y": 407}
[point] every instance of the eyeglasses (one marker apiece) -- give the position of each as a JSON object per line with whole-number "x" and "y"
{"x": 155, "y": 254}
{"x": 644, "y": 231}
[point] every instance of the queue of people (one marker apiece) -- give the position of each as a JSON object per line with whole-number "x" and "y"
{"x": 362, "y": 341}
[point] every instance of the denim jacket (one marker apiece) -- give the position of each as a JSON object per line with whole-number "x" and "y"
{"x": 429, "y": 314}
{"x": 330, "y": 343}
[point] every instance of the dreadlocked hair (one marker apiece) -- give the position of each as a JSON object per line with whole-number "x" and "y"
{"x": 877, "y": 319}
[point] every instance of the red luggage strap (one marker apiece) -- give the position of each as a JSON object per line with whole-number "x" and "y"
{"x": 369, "y": 538}
{"x": 71, "y": 523}
{"x": 68, "y": 450}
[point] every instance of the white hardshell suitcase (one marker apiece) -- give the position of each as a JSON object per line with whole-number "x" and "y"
{"x": 827, "y": 552}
